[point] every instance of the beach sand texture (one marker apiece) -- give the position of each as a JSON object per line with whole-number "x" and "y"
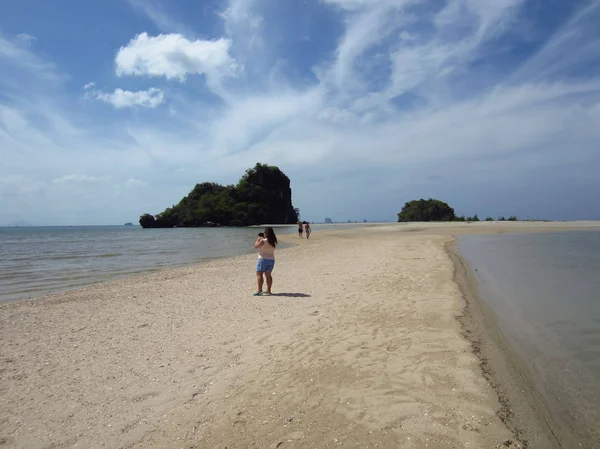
{"x": 360, "y": 347}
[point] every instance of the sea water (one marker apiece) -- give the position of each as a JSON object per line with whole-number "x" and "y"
{"x": 545, "y": 292}
{"x": 39, "y": 260}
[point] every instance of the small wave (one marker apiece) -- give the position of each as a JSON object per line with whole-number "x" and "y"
{"x": 78, "y": 256}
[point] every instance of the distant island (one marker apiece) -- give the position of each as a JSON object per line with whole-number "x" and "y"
{"x": 128, "y": 224}
{"x": 436, "y": 210}
{"x": 263, "y": 195}
{"x": 19, "y": 223}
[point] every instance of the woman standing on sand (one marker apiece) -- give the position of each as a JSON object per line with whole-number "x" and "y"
{"x": 266, "y": 245}
{"x": 307, "y": 229}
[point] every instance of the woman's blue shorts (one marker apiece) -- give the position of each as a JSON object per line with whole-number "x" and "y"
{"x": 265, "y": 265}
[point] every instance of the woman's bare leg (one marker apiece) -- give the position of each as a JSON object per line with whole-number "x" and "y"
{"x": 269, "y": 281}
{"x": 260, "y": 281}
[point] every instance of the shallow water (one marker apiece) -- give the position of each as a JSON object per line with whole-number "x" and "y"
{"x": 545, "y": 292}
{"x": 39, "y": 260}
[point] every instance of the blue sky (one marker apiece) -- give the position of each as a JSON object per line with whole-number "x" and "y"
{"x": 115, "y": 108}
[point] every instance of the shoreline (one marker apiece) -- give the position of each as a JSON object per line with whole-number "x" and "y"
{"x": 432, "y": 228}
{"x": 522, "y": 408}
{"x": 114, "y": 278}
{"x": 32, "y": 289}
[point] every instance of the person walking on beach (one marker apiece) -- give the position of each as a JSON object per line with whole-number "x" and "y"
{"x": 300, "y": 229}
{"x": 307, "y": 229}
{"x": 266, "y": 244}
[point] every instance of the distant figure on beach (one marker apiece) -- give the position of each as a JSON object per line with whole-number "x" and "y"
{"x": 307, "y": 229}
{"x": 300, "y": 229}
{"x": 266, "y": 244}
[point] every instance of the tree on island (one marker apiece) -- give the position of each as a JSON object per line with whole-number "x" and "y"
{"x": 263, "y": 195}
{"x": 436, "y": 210}
{"x": 426, "y": 210}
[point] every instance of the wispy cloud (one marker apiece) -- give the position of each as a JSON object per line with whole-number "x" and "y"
{"x": 363, "y": 30}
{"x": 76, "y": 178}
{"x": 357, "y": 5}
{"x": 574, "y": 48}
{"x": 26, "y": 39}
{"x": 134, "y": 183}
{"x": 17, "y": 56}
{"x": 155, "y": 11}
{"x": 243, "y": 24}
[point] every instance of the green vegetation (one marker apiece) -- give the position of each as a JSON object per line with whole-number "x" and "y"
{"x": 436, "y": 210}
{"x": 263, "y": 195}
{"x": 426, "y": 210}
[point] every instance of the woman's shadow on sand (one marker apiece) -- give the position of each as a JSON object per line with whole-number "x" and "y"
{"x": 292, "y": 295}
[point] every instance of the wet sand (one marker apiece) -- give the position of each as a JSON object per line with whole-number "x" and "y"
{"x": 360, "y": 347}
{"x": 522, "y": 408}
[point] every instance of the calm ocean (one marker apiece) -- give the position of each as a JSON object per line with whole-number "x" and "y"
{"x": 545, "y": 292}
{"x": 35, "y": 261}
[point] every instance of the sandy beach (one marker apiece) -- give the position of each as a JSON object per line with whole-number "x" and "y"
{"x": 366, "y": 343}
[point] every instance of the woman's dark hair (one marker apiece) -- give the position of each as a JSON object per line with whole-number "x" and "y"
{"x": 271, "y": 238}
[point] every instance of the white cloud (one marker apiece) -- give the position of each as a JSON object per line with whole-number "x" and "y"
{"x": 120, "y": 98}
{"x": 89, "y": 85}
{"x": 174, "y": 57}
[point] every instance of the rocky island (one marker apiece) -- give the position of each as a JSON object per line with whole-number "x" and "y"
{"x": 263, "y": 195}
